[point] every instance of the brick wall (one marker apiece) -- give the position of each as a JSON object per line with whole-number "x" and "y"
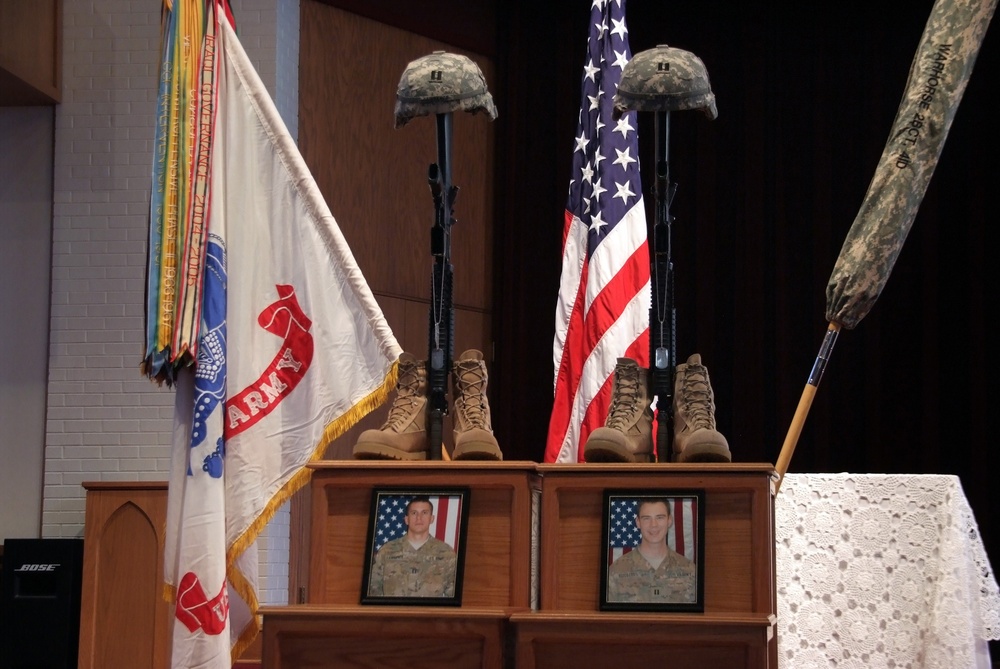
{"x": 105, "y": 422}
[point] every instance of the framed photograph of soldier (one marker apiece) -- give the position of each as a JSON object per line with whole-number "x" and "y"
{"x": 651, "y": 550}
{"x": 416, "y": 546}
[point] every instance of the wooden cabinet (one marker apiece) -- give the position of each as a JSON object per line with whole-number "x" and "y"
{"x": 533, "y": 574}
{"x": 497, "y": 542}
{"x": 124, "y": 619}
{"x": 737, "y": 626}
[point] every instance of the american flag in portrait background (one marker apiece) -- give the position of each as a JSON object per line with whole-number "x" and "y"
{"x": 602, "y": 312}
{"x": 390, "y": 517}
{"x": 623, "y": 534}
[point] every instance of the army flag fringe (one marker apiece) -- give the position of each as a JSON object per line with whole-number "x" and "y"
{"x": 291, "y": 350}
{"x": 602, "y": 312}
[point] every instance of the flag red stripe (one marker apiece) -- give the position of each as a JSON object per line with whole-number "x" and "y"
{"x": 603, "y": 306}
{"x": 441, "y": 518}
{"x": 584, "y": 335}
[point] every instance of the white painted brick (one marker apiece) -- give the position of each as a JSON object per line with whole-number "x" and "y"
{"x": 101, "y": 439}
{"x": 103, "y": 413}
{"x": 137, "y": 465}
{"x": 75, "y": 478}
{"x": 100, "y": 465}
{"x": 56, "y": 439}
{"x": 104, "y": 131}
{"x": 65, "y": 413}
{"x": 67, "y": 504}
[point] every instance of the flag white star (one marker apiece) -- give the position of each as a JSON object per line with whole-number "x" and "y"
{"x": 589, "y": 70}
{"x": 587, "y": 173}
{"x": 598, "y": 157}
{"x": 598, "y": 189}
{"x": 595, "y": 100}
{"x": 621, "y": 60}
{"x": 596, "y": 223}
{"x": 624, "y": 127}
{"x": 623, "y": 192}
{"x": 619, "y": 28}
{"x": 624, "y": 158}
{"x": 581, "y": 142}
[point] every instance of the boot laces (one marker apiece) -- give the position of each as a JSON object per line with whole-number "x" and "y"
{"x": 407, "y": 391}
{"x": 471, "y": 400}
{"x": 698, "y": 401}
{"x": 624, "y": 398}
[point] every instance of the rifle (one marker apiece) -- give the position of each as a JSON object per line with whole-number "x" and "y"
{"x": 662, "y": 312}
{"x": 442, "y": 310}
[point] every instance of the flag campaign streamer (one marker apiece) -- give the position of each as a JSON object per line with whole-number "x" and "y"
{"x": 602, "y": 311}
{"x": 288, "y": 348}
{"x": 624, "y": 535}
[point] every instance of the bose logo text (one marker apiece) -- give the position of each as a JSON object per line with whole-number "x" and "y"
{"x": 37, "y": 567}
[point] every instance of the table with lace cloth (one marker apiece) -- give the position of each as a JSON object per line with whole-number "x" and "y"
{"x": 881, "y": 571}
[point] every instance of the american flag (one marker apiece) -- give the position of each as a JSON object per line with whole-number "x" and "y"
{"x": 603, "y": 307}
{"x": 623, "y": 534}
{"x": 390, "y": 521}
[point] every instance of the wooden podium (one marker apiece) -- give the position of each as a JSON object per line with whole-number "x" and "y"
{"x": 532, "y": 574}
{"x": 737, "y": 626}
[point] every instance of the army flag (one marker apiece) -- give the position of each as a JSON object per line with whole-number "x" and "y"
{"x": 291, "y": 351}
{"x": 602, "y": 311}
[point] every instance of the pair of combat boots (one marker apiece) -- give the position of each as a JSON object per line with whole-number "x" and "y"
{"x": 404, "y": 434}
{"x": 627, "y": 435}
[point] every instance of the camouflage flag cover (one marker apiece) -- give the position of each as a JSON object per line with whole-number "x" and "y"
{"x": 938, "y": 76}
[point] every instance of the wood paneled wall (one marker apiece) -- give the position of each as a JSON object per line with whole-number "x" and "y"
{"x": 30, "y": 52}
{"x": 374, "y": 177}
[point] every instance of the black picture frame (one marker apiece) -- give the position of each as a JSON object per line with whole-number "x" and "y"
{"x": 632, "y": 583}
{"x": 400, "y": 576}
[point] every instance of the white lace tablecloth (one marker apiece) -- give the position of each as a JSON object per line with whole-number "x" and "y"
{"x": 881, "y": 571}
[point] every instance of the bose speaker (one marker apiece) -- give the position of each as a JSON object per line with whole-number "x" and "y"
{"x": 40, "y": 604}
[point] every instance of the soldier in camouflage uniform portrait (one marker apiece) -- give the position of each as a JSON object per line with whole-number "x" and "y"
{"x": 652, "y": 572}
{"x": 416, "y": 564}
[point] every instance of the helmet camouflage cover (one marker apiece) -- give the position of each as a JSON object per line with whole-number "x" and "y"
{"x": 665, "y": 79}
{"x": 439, "y": 83}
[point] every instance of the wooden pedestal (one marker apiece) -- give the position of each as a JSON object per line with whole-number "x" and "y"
{"x": 737, "y": 626}
{"x": 527, "y": 519}
{"x": 299, "y": 637}
{"x": 497, "y": 542}
{"x": 642, "y": 640}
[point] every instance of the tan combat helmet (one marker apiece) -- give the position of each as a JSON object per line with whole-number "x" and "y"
{"x": 439, "y": 83}
{"x": 665, "y": 79}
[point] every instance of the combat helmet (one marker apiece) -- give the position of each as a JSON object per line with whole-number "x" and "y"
{"x": 665, "y": 79}
{"x": 439, "y": 83}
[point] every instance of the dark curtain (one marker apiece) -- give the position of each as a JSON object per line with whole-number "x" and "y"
{"x": 766, "y": 193}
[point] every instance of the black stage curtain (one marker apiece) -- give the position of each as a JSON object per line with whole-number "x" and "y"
{"x": 807, "y": 93}
{"x": 766, "y": 193}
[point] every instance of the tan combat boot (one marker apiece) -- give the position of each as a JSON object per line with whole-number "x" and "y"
{"x": 627, "y": 435}
{"x": 695, "y": 436}
{"x": 474, "y": 438}
{"x": 404, "y": 434}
